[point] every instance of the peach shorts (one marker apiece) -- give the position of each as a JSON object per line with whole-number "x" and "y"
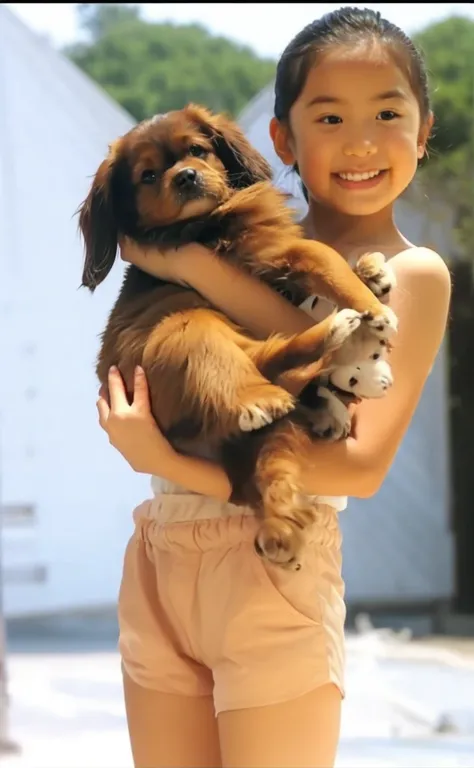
{"x": 201, "y": 614}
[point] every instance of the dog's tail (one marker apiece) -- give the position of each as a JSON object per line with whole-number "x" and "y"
{"x": 285, "y": 508}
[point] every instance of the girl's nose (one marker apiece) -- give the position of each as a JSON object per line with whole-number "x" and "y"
{"x": 363, "y": 147}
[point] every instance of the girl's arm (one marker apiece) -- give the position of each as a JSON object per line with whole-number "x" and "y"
{"x": 359, "y": 465}
{"x": 244, "y": 299}
{"x": 356, "y": 466}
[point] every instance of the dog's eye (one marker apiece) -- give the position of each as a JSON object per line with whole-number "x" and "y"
{"x": 375, "y": 356}
{"x": 148, "y": 177}
{"x": 197, "y": 151}
{"x": 353, "y": 381}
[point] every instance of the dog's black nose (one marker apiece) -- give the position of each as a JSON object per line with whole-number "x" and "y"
{"x": 186, "y": 178}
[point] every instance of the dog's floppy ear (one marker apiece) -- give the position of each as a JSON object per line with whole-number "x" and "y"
{"x": 98, "y": 225}
{"x": 244, "y": 165}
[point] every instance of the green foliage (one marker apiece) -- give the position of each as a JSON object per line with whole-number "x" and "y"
{"x": 150, "y": 68}
{"x": 448, "y": 47}
{"x": 98, "y": 19}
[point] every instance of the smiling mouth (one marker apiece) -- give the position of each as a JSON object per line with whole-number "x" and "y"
{"x": 363, "y": 176}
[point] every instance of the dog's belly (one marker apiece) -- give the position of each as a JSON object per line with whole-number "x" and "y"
{"x": 318, "y": 309}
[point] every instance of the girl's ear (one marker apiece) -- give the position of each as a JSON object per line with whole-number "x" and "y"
{"x": 424, "y": 135}
{"x": 280, "y": 135}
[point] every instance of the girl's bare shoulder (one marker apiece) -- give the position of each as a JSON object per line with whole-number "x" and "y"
{"x": 418, "y": 261}
{"x": 423, "y": 286}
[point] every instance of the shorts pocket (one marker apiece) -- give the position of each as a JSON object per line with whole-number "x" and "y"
{"x": 296, "y": 591}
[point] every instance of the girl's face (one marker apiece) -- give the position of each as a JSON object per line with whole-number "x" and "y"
{"x": 355, "y": 132}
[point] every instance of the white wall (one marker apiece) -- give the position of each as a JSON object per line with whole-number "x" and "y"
{"x": 54, "y": 130}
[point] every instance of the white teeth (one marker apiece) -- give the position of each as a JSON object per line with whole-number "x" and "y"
{"x": 359, "y": 176}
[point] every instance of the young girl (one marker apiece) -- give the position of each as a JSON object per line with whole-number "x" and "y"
{"x": 227, "y": 660}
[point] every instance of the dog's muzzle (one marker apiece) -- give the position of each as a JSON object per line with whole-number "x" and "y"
{"x": 189, "y": 183}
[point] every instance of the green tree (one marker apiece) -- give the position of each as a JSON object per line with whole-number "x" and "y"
{"x": 150, "y": 68}
{"x": 448, "y": 47}
{"x": 98, "y": 19}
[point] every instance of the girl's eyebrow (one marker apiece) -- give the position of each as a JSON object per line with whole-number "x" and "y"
{"x": 324, "y": 100}
{"x": 394, "y": 93}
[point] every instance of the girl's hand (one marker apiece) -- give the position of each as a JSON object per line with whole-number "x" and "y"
{"x": 131, "y": 429}
{"x": 170, "y": 264}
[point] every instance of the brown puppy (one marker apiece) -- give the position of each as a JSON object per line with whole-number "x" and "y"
{"x": 190, "y": 176}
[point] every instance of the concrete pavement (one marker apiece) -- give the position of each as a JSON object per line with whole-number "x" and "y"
{"x": 408, "y": 703}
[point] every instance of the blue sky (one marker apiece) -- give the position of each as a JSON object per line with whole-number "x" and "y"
{"x": 266, "y": 27}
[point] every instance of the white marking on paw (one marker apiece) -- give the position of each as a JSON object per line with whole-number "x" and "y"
{"x": 383, "y": 326}
{"x": 392, "y": 319}
{"x": 382, "y": 284}
{"x": 374, "y": 270}
{"x": 254, "y": 417}
{"x": 344, "y": 324}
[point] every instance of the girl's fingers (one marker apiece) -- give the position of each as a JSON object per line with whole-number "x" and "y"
{"x": 132, "y": 253}
{"x": 117, "y": 392}
{"x": 103, "y": 392}
{"x": 141, "y": 395}
{"x": 103, "y": 411}
{"x": 126, "y": 249}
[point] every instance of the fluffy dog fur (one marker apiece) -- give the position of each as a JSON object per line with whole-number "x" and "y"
{"x": 190, "y": 176}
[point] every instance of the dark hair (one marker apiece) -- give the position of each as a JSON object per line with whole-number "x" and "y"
{"x": 346, "y": 26}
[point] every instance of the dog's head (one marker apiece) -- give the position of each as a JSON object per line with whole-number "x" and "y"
{"x": 168, "y": 169}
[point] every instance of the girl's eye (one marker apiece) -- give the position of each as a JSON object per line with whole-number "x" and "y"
{"x": 387, "y": 114}
{"x": 331, "y": 120}
{"x": 197, "y": 151}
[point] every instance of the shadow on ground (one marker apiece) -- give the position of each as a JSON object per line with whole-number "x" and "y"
{"x": 63, "y": 634}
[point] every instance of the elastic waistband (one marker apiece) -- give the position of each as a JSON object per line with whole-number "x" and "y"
{"x": 169, "y": 508}
{"x": 199, "y": 523}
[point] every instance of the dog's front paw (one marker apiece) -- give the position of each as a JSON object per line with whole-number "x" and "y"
{"x": 377, "y": 274}
{"x": 383, "y": 326}
{"x": 331, "y": 420}
{"x": 344, "y": 324}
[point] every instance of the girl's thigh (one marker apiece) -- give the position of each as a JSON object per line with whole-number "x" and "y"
{"x": 302, "y": 733}
{"x": 171, "y": 731}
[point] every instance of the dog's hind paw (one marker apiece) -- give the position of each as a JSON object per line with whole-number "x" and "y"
{"x": 264, "y": 412}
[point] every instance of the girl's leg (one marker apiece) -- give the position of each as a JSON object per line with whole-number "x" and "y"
{"x": 302, "y": 733}
{"x": 171, "y": 731}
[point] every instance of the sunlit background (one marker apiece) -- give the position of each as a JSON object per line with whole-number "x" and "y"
{"x": 72, "y": 78}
